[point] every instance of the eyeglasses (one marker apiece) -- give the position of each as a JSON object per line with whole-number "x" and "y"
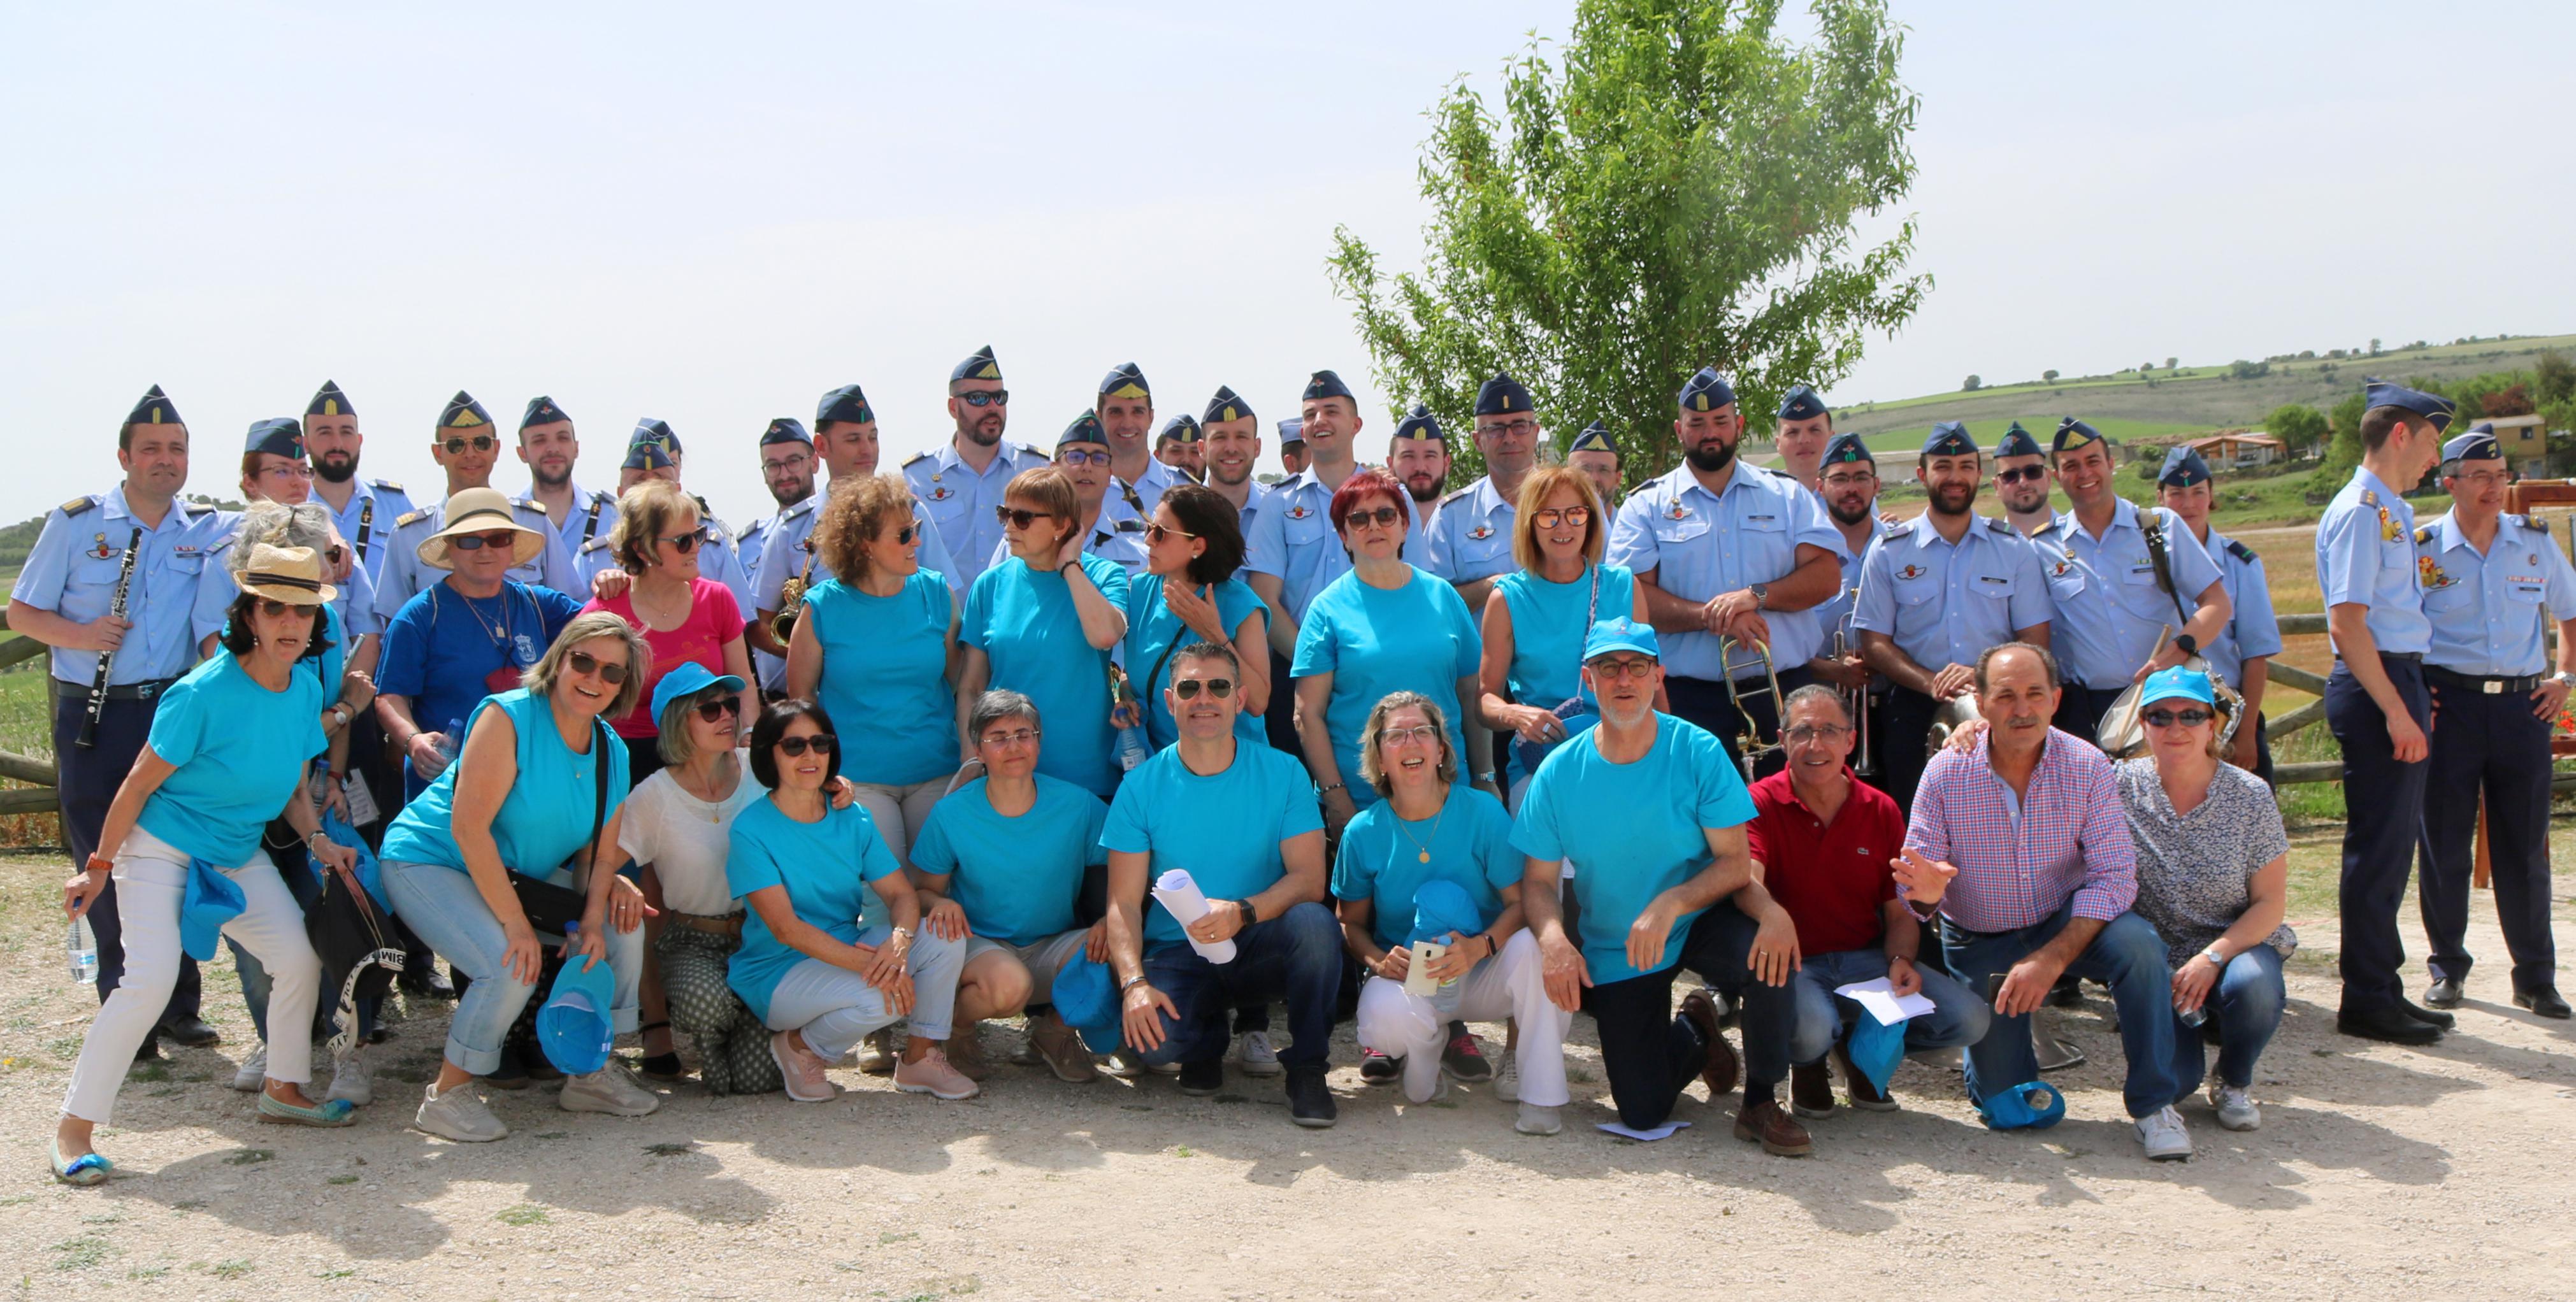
{"x": 2020, "y": 473}
{"x": 903, "y": 534}
{"x": 1807, "y": 732}
{"x": 2168, "y": 718}
{"x": 1519, "y": 429}
{"x": 1077, "y": 457}
{"x": 1155, "y": 533}
{"x": 290, "y": 470}
{"x": 1020, "y": 517}
{"x": 475, "y": 542}
{"x": 274, "y": 608}
{"x": 797, "y": 462}
{"x": 1018, "y": 737}
{"x": 685, "y": 543}
{"x": 820, "y": 743}
{"x": 1614, "y": 670}
{"x": 1549, "y": 517}
{"x": 1384, "y": 517}
{"x": 480, "y": 443}
{"x": 985, "y": 397}
{"x": 1424, "y": 733}
{"x": 610, "y": 672}
{"x": 719, "y": 708}
{"x": 1188, "y": 688}
{"x": 1857, "y": 479}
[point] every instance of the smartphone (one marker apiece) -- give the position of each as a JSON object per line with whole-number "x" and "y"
{"x": 1995, "y": 986}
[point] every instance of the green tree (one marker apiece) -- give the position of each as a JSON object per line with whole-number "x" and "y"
{"x": 1972, "y": 385}
{"x": 2554, "y": 377}
{"x": 2050, "y": 376}
{"x": 2345, "y": 451}
{"x": 2173, "y": 363}
{"x": 1674, "y": 187}
{"x": 2298, "y": 426}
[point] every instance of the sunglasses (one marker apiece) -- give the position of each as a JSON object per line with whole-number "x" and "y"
{"x": 2020, "y": 473}
{"x": 2168, "y": 718}
{"x": 1073, "y": 457}
{"x": 1385, "y": 516}
{"x": 1188, "y": 688}
{"x": 273, "y": 608}
{"x": 1614, "y": 670}
{"x": 717, "y": 709}
{"x": 1423, "y": 733}
{"x": 820, "y": 743}
{"x": 475, "y": 542}
{"x": 1155, "y": 533}
{"x": 985, "y": 397}
{"x": 609, "y": 671}
{"x": 335, "y": 553}
{"x": 480, "y": 443}
{"x": 1552, "y": 516}
{"x": 903, "y": 534}
{"x": 685, "y": 543}
{"x": 1020, "y": 517}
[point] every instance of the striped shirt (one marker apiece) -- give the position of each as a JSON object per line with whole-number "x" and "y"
{"x": 2021, "y": 859}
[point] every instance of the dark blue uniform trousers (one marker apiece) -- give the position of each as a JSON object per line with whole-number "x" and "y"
{"x": 2383, "y": 803}
{"x": 2488, "y": 744}
{"x": 86, "y": 779}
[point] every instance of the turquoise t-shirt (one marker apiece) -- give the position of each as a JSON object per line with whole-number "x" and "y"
{"x": 1024, "y": 621}
{"x": 1632, "y": 831}
{"x": 1470, "y": 842}
{"x": 240, "y": 750}
{"x": 545, "y": 819}
{"x": 1418, "y": 637}
{"x": 1151, "y": 630}
{"x": 885, "y": 666}
{"x": 1224, "y": 828}
{"x": 1015, "y": 877}
{"x": 1548, "y": 628}
{"x": 826, "y": 867}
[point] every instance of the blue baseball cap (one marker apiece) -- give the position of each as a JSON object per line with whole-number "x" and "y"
{"x": 2181, "y": 682}
{"x": 576, "y": 1027}
{"x": 1086, "y": 998}
{"x": 1621, "y": 634}
{"x": 687, "y": 679}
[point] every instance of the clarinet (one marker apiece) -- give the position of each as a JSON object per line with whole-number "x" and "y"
{"x": 106, "y": 659}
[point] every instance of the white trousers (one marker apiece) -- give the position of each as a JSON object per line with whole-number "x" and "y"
{"x": 1406, "y": 1026}
{"x": 151, "y": 880}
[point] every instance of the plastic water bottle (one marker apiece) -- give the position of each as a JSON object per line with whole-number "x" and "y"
{"x": 1132, "y": 750}
{"x": 83, "y": 944}
{"x": 449, "y": 739}
{"x": 2196, "y": 1016}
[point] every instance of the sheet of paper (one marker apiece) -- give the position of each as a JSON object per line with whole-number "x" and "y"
{"x": 1884, "y": 1003}
{"x": 1663, "y": 1131}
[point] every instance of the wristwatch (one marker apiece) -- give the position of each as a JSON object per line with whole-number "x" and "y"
{"x": 1761, "y": 593}
{"x": 1249, "y": 915}
{"x": 2217, "y": 957}
{"x": 2188, "y": 644}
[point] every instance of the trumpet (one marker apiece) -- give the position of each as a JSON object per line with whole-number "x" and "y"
{"x": 791, "y": 596}
{"x": 1749, "y": 742}
{"x": 1856, "y": 701}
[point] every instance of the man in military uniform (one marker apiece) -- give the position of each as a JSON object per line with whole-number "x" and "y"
{"x": 2117, "y": 612}
{"x": 1806, "y": 426}
{"x": 1935, "y": 592}
{"x": 962, "y": 482}
{"x": 141, "y": 536}
{"x": 1233, "y": 436}
{"x": 2242, "y": 653}
{"x": 465, "y": 447}
{"x": 274, "y": 470}
{"x": 1728, "y": 555}
{"x": 1471, "y": 537}
{"x": 2490, "y": 582}
{"x": 1596, "y": 454}
{"x": 787, "y": 469}
{"x": 1082, "y": 453}
{"x": 1418, "y": 457}
{"x": 1293, "y": 550}
{"x": 1126, "y": 412}
{"x": 363, "y": 511}
{"x": 653, "y": 452}
{"x": 1848, "y": 482}
{"x": 1180, "y": 447}
{"x": 2022, "y": 482}
{"x": 1293, "y": 454}
{"x": 846, "y": 427}
{"x": 2376, "y": 701}
{"x": 548, "y": 448}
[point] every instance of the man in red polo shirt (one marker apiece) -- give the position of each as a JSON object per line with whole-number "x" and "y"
{"x": 1821, "y": 840}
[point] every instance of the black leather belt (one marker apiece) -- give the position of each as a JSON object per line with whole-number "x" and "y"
{"x": 125, "y": 692}
{"x": 2485, "y": 683}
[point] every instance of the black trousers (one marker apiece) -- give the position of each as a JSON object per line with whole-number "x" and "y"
{"x": 1900, "y": 746}
{"x": 2262, "y": 751}
{"x": 2490, "y": 745}
{"x": 1704, "y": 701}
{"x": 1720, "y": 950}
{"x": 2080, "y": 708}
{"x": 2383, "y": 803}
{"x": 86, "y": 779}
{"x": 1279, "y": 718}
{"x": 1649, "y": 1051}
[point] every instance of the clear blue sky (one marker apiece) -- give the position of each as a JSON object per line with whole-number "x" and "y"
{"x": 653, "y": 210}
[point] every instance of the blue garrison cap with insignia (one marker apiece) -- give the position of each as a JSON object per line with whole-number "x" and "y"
{"x": 1707, "y": 391}
{"x": 646, "y": 454}
{"x": 1292, "y": 430}
{"x": 1594, "y": 438}
{"x": 329, "y": 401}
{"x": 1183, "y": 428}
{"x": 2072, "y": 434}
{"x": 1848, "y": 447}
{"x": 785, "y": 429}
{"x": 277, "y": 437}
{"x": 1084, "y": 429}
{"x": 1125, "y": 381}
{"x": 979, "y": 365}
{"x": 2379, "y": 393}
{"x": 846, "y": 404}
{"x": 1801, "y": 403}
{"x": 542, "y": 411}
{"x": 1325, "y": 384}
{"x": 1501, "y": 396}
{"x": 2182, "y": 469}
{"x": 653, "y": 429}
{"x": 2479, "y": 444}
{"x": 154, "y": 409}
{"x": 1420, "y": 424}
{"x": 1949, "y": 439}
{"x": 1225, "y": 406}
{"x": 2017, "y": 442}
{"x": 463, "y": 412}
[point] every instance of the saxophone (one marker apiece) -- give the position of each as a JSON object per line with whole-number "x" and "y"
{"x": 791, "y": 596}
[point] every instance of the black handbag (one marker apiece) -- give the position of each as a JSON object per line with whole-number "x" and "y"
{"x": 553, "y": 909}
{"x": 359, "y": 949}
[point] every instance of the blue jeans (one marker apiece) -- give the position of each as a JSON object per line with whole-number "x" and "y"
{"x": 2247, "y": 1003}
{"x": 1295, "y": 958}
{"x": 1957, "y": 1017}
{"x": 443, "y": 908}
{"x": 2126, "y": 955}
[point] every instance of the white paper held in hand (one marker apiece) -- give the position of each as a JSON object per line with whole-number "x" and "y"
{"x": 1883, "y": 1002}
{"x": 1176, "y": 892}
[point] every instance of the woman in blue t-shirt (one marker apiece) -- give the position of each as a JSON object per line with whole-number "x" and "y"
{"x": 227, "y": 753}
{"x": 1535, "y": 619}
{"x": 811, "y": 970}
{"x": 1042, "y": 623}
{"x": 1189, "y": 593}
{"x": 527, "y": 799}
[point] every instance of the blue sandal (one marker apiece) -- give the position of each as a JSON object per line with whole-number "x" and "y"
{"x": 86, "y": 1169}
{"x": 332, "y": 1112}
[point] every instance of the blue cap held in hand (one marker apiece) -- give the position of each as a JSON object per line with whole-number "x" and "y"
{"x": 1086, "y": 998}
{"x": 575, "y": 1027}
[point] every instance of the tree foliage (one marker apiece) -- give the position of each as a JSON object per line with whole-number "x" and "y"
{"x": 1674, "y": 187}
{"x": 2298, "y": 426}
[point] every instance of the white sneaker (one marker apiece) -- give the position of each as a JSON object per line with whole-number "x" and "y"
{"x": 1538, "y": 1119}
{"x": 1507, "y": 1080}
{"x": 1124, "y": 1063}
{"x": 352, "y": 1079}
{"x": 2236, "y": 1110}
{"x": 2164, "y": 1136}
{"x": 252, "y": 1076}
{"x": 1252, "y": 1052}
{"x": 607, "y": 1090}
{"x": 458, "y": 1114}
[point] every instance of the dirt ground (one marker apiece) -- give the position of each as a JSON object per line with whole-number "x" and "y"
{"x": 2379, "y": 1172}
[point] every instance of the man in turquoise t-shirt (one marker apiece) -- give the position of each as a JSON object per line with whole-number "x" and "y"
{"x": 1242, "y": 821}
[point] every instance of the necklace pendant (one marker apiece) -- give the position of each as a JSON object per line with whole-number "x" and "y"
{"x": 1425, "y": 856}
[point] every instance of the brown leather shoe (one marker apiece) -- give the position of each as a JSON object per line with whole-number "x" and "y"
{"x": 1723, "y": 1069}
{"x": 1764, "y": 1120}
{"x": 1865, "y": 1096}
{"x": 1811, "y": 1091}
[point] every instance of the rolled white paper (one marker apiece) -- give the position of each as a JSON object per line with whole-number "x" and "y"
{"x": 1180, "y": 895}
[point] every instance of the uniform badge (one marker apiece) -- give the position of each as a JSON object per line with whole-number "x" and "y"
{"x": 940, "y": 492}
{"x": 2531, "y": 558}
{"x": 525, "y": 649}
{"x": 1679, "y": 512}
{"x": 1480, "y": 533}
{"x": 1300, "y": 511}
{"x": 2062, "y": 568}
{"x": 2429, "y": 573}
{"x": 2388, "y": 530}
{"x": 1912, "y": 572}
{"x": 101, "y": 550}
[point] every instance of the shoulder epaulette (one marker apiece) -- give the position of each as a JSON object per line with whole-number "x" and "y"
{"x": 704, "y": 511}
{"x": 2423, "y": 533}
{"x": 715, "y": 526}
{"x": 1902, "y": 527}
{"x": 1999, "y": 525}
{"x": 1458, "y": 494}
{"x": 801, "y": 509}
{"x": 80, "y": 504}
{"x": 2240, "y": 551}
{"x": 529, "y": 504}
{"x": 917, "y": 456}
{"x": 410, "y": 518}
{"x": 199, "y": 508}
{"x": 387, "y": 486}
{"x": 1131, "y": 526}
{"x": 603, "y": 497}
{"x": 2531, "y": 522}
{"x": 594, "y": 544}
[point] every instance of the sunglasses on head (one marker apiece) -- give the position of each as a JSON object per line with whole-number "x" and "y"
{"x": 479, "y": 442}
{"x": 1078, "y": 457}
{"x": 2189, "y": 718}
{"x": 1550, "y": 517}
{"x": 985, "y": 397}
{"x": 1020, "y": 517}
{"x": 502, "y": 539}
{"x": 1384, "y": 515}
{"x": 1155, "y": 533}
{"x": 609, "y": 671}
{"x": 718, "y": 708}
{"x": 1188, "y": 688}
{"x": 2020, "y": 473}
{"x": 820, "y": 743}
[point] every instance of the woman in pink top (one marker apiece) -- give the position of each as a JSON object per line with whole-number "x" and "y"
{"x": 682, "y": 616}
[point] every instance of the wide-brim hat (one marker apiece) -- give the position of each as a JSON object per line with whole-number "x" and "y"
{"x": 480, "y": 510}
{"x": 289, "y": 574}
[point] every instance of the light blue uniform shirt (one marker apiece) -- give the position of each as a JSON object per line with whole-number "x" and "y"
{"x": 1224, "y": 828}
{"x": 1253, "y": 497}
{"x": 1633, "y": 830}
{"x": 593, "y": 516}
{"x": 885, "y": 665}
{"x": 368, "y": 524}
{"x": 1700, "y": 545}
{"x": 2252, "y": 630}
{"x": 747, "y": 545}
{"x": 1944, "y": 603}
{"x": 1380, "y": 859}
{"x": 1294, "y": 540}
{"x": 546, "y": 818}
{"x": 1471, "y": 536}
{"x": 72, "y": 571}
{"x": 2366, "y": 556}
{"x": 2105, "y": 607}
{"x": 1025, "y": 623}
{"x": 353, "y": 599}
{"x": 1373, "y": 641}
{"x": 1152, "y": 629}
{"x": 825, "y": 865}
{"x": 1837, "y": 613}
{"x": 2486, "y": 611}
{"x": 1138, "y": 497}
{"x": 961, "y": 502}
{"x": 717, "y": 562}
{"x": 405, "y": 577}
{"x": 240, "y": 750}
{"x": 1417, "y": 544}
{"x": 1016, "y": 878}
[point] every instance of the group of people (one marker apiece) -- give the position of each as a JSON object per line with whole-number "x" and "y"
{"x": 1121, "y": 740}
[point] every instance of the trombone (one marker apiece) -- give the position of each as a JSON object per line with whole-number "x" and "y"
{"x": 1855, "y": 699}
{"x": 1749, "y": 742}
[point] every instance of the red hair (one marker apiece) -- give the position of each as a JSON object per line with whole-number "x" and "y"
{"x": 1367, "y": 483}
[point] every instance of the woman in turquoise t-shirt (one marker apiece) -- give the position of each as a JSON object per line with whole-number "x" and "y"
{"x": 1189, "y": 593}
{"x": 1535, "y": 619}
{"x": 522, "y": 800}
{"x": 1383, "y": 627}
{"x": 227, "y": 753}
{"x": 1042, "y": 623}
{"x": 806, "y": 967}
{"x": 876, "y": 646}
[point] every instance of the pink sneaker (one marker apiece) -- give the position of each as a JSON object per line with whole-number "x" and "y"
{"x": 932, "y": 1074}
{"x": 803, "y": 1069}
